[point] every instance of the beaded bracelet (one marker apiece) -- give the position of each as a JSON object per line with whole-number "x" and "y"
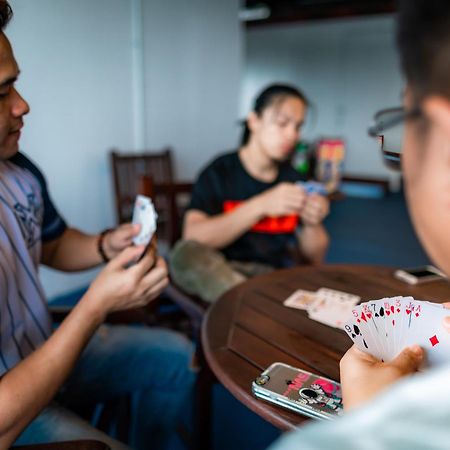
{"x": 100, "y": 240}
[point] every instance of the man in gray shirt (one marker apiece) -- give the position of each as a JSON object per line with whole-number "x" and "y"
{"x": 392, "y": 407}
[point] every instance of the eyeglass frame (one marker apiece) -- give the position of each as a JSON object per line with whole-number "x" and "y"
{"x": 392, "y": 159}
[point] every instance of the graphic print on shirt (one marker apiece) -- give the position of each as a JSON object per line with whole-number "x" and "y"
{"x": 27, "y": 208}
{"x": 274, "y": 225}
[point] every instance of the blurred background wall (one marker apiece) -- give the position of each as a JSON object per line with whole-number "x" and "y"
{"x": 78, "y": 62}
{"x": 143, "y": 74}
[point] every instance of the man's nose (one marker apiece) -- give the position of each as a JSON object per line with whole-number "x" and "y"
{"x": 19, "y": 106}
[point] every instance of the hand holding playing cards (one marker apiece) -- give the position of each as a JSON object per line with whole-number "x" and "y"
{"x": 283, "y": 199}
{"x": 316, "y": 208}
{"x": 125, "y": 284}
{"x": 363, "y": 376}
{"x": 120, "y": 238}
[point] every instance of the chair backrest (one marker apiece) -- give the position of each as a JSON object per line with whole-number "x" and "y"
{"x": 129, "y": 170}
{"x": 150, "y": 174}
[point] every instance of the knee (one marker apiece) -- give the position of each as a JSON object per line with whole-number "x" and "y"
{"x": 187, "y": 255}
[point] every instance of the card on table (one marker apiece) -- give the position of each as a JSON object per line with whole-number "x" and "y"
{"x": 300, "y": 299}
{"x": 330, "y": 312}
{"x": 327, "y": 306}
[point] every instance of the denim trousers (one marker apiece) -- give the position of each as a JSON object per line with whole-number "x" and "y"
{"x": 152, "y": 365}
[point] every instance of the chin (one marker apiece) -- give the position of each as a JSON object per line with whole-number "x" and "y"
{"x": 282, "y": 156}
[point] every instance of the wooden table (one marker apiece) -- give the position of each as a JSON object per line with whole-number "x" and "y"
{"x": 249, "y": 328}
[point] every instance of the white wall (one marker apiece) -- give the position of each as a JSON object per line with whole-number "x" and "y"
{"x": 349, "y": 70}
{"x": 76, "y": 62}
{"x": 193, "y": 58}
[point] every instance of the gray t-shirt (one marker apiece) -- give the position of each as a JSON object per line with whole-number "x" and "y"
{"x": 414, "y": 414}
{"x": 27, "y": 217}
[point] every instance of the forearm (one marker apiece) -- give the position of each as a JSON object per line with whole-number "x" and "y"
{"x": 313, "y": 242}
{"x": 74, "y": 251}
{"x": 28, "y": 388}
{"x": 223, "y": 229}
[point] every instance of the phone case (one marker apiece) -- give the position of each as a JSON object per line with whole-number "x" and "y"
{"x": 300, "y": 391}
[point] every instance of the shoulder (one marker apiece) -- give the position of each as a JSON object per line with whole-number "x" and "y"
{"x": 221, "y": 166}
{"x": 22, "y": 161}
{"x": 224, "y": 161}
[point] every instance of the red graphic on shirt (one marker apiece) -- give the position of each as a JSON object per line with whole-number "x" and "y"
{"x": 283, "y": 224}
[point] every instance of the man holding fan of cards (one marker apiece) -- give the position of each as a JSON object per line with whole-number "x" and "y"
{"x": 79, "y": 363}
{"x": 389, "y": 410}
{"x": 250, "y": 210}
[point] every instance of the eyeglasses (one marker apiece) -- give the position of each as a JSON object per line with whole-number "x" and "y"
{"x": 388, "y": 128}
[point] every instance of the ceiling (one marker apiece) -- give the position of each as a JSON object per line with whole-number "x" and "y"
{"x": 283, "y": 11}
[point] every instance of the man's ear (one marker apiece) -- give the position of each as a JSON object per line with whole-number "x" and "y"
{"x": 437, "y": 108}
{"x": 252, "y": 121}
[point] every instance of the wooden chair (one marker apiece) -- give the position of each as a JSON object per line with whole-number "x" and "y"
{"x": 151, "y": 174}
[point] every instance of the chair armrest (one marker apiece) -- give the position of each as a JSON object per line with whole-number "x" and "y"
{"x": 173, "y": 188}
{"x": 194, "y": 307}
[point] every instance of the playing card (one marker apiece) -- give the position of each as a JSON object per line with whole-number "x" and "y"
{"x": 390, "y": 324}
{"x": 357, "y": 336}
{"x": 364, "y": 318}
{"x": 144, "y": 213}
{"x": 330, "y": 312}
{"x": 300, "y": 299}
{"x": 338, "y": 296}
{"x": 378, "y": 326}
{"x": 385, "y": 327}
{"x": 426, "y": 329}
{"x": 313, "y": 187}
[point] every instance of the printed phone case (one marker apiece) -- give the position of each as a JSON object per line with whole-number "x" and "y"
{"x": 300, "y": 391}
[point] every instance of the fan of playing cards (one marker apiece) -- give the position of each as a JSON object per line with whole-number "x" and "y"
{"x": 385, "y": 327}
{"x": 144, "y": 214}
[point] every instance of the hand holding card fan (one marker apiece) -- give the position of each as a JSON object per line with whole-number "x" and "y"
{"x": 383, "y": 328}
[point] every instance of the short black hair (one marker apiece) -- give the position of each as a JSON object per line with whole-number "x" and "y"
{"x": 423, "y": 37}
{"x": 5, "y": 14}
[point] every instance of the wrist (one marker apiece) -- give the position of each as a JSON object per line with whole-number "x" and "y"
{"x": 92, "y": 308}
{"x": 258, "y": 207}
{"x": 102, "y": 247}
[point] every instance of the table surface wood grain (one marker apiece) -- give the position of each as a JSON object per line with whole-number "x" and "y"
{"x": 249, "y": 328}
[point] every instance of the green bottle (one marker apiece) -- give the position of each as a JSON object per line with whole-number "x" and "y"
{"x": 300, "y": 158}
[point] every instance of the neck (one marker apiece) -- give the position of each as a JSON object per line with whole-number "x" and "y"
{"x": 257, "y": 163}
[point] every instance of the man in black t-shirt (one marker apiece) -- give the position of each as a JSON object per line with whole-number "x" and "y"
{"x": 247, "y": 214}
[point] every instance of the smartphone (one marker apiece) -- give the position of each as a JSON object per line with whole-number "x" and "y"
{"x": 300, "y": 391}
{"x": 418, "y": 275}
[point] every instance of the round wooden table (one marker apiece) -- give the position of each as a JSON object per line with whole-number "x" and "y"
{"x": 249, "y": 328}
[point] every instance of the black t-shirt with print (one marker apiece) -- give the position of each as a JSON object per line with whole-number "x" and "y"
{"x": 222, "y": 185}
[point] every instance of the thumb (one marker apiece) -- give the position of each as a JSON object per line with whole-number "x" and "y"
{"x": 127, "y": 256}
{"x": 130, "y": 229}
{"x": 446, "y": 323}
{"x": 409, "y": 359}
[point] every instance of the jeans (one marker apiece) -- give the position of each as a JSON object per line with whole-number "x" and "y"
{"x": 152, "y": 365}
